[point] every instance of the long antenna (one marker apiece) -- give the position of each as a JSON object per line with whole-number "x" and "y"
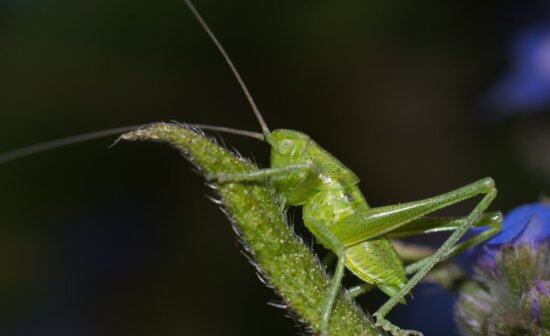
{"x": 75, "y": 139}
{"x": 46, "y": 146}
{"x": 265, "y": 129}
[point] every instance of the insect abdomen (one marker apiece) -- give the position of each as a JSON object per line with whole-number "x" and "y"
{"x": 376, "y": 262}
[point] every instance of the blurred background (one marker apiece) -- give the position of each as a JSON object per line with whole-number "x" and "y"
{"x": 417, "y": 98}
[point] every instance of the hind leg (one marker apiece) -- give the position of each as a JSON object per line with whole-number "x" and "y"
{"x": 448, "y": 248}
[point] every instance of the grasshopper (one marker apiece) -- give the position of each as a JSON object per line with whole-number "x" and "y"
{"x": 335, "y": 211}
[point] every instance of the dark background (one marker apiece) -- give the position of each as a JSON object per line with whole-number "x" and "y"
{"x": 123, "y": 241}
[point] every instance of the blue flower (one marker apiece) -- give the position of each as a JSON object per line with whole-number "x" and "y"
{"x": 526, "y": 224}
{"x": 525, "y": 86}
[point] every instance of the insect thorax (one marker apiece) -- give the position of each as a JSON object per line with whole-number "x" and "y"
{"x": 329, "y": 174}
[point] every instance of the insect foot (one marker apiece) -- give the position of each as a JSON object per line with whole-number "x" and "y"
{"x": 489, "y": 184}
{"x": 395, "y": 330}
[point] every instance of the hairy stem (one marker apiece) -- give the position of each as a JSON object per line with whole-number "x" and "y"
{"x": 288, "y": 265}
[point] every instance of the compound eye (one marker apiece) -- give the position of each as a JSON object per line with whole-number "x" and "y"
{"x": 285, "y": 147}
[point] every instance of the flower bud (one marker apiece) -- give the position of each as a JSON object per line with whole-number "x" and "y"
{"x": 536, "y": 304}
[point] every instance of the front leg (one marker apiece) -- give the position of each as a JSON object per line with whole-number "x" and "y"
{"x": 261, "y": 174}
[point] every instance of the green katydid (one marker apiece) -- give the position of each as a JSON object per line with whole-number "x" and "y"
{"x": 336, "y": 212}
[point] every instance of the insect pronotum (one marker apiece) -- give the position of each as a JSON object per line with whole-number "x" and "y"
{"x": 335, "y": 211}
